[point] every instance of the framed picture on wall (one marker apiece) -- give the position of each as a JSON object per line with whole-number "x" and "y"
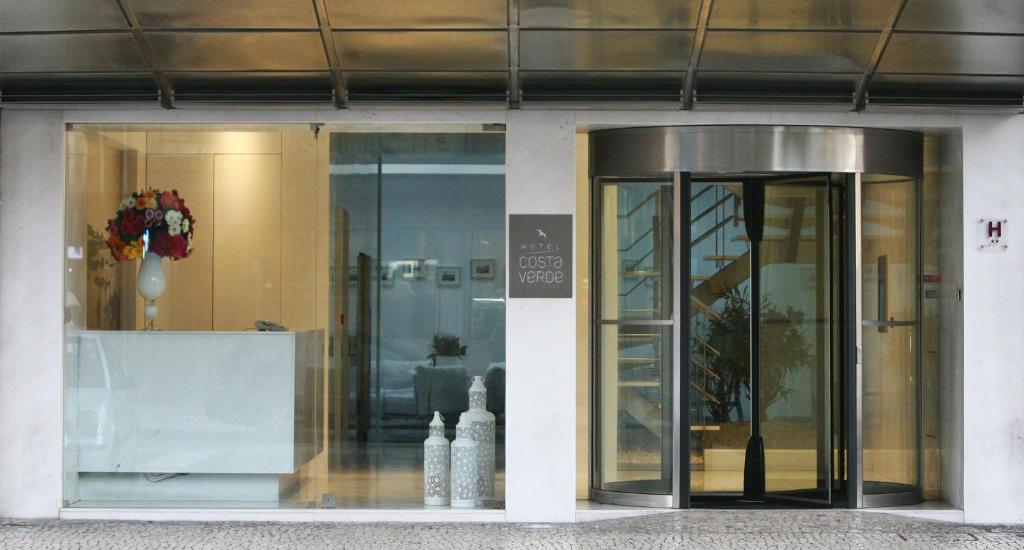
{"x": 449, "y": 276}
{"x": 412, "y": 269}
{"x": 482, "y": 269}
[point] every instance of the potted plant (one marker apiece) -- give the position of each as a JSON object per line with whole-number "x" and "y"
{"x": 446, "y": 349}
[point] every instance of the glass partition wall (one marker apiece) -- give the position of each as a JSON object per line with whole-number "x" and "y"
{"x": 774, "y": 396}
{"x": 251, "y": 311}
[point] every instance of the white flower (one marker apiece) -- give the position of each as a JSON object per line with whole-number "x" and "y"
{"x": 127, "y": 203}
{"x": 173, "y": 217}
{"x": 184, "y": 226}
{"x": 173, "y": 230}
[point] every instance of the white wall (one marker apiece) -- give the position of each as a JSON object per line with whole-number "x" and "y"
{"x": 993, "y": 376}
{"x": 540, "y": 463}
{"x": 31, "y": 311}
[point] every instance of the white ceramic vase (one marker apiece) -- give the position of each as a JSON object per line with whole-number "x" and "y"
{"x": 151, "y": 285}
{"x": 482, "y": 428}
{"x": 464, "y": 453}
{"x": 436, "y": 463}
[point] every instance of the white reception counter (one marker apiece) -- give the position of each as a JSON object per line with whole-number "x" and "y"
{"x": 195, "y": 415}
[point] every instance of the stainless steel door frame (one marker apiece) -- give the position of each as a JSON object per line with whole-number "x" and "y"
{"x": 681, "y": 343}
{"x": 854, "y": 347}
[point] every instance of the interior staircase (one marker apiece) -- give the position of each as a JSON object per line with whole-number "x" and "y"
{"x": 719, "y": 240}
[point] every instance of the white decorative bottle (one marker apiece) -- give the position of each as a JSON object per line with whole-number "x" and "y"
{"x": 464, "y": 454}
{"x": 436, "y": 461}
{"x": 482, "y": 428}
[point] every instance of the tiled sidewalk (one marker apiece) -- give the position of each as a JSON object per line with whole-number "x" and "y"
{"x": 683, "y": 529}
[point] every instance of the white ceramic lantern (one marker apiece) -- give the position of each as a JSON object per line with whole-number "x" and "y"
{"x": 436, "y": 455}
{"x": 464, "y": 460}
{"x": 482, "y": 428}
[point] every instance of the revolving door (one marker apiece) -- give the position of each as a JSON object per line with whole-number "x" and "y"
{"x": 811, "y": 397}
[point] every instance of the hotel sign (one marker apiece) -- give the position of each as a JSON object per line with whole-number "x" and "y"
{"x": 993, "y": 234}
{"x": 540, "y": 256}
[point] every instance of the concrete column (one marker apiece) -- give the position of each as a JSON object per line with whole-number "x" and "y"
{"x": 993, "y": 378}
{"x": 31, "y": 311}
{"x": 540, "y": 389}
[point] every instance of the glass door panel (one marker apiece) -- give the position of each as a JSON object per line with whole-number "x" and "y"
{"x": 633, "y": 392}
{"x": 796, "y": 338}
{"x": 890, "y": 335}
{"x": 719, "y": 370}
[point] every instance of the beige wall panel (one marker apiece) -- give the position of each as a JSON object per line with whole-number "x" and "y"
{"x": 247, "y": 240}
{"x": 213, "y": 143}
{"x": 582, "y": 317}
{"x": 187, "y": 303}
{"x": 299, "y": 299}
{"x": 103, "y": 196}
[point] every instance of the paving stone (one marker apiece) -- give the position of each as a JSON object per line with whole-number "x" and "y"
{"x": 672, "y": 530}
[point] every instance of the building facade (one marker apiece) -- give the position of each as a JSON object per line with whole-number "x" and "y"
{"x": 345, "y": 273}
{"x": 543, "y": 336}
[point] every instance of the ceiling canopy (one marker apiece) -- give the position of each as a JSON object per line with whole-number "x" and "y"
{"x": 843, "y": 54}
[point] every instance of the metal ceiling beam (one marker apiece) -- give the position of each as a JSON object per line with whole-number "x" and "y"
{"x": 327, "y": 38}
{"x": 515, "y": 92}
{"x": 696, "y": 49}
{"x": 163, "y": 83}
{"x": 861, "y": 92}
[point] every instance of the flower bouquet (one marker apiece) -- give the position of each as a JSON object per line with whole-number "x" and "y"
{"x": 151, "y": 225}
{"x": 159, "y": 217}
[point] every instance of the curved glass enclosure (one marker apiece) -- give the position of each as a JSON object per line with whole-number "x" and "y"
{"x": 813, "y": 396}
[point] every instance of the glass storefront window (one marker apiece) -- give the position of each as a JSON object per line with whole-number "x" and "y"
{"x": 235, "y": 399}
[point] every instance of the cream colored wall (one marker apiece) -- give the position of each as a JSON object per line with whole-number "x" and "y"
{"x": 582, "y": 317}
{"x": 187, "y": 303}
{"x": 254, "y": 197}
{"x": 246, "y": 240}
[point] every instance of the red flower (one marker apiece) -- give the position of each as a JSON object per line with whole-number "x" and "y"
{"x": 168, "y": 200}
{"x": 158, "y": 243}
{"x": 132, "y": 226}
{"x": 178, "y": 247}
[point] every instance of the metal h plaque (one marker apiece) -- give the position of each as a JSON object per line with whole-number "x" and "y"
{"x": 540, "y": 255}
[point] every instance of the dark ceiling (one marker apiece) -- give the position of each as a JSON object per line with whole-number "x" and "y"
{"x": 846, "y": 54}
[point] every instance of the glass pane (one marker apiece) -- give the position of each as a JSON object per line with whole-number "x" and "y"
{"x": 418, "y": 250}
{"x": 206, "y": 411}
{"x": 635, "y": 356}
{"x": 796, "y": 338}
{"x": 635, "y": 409}
{"x": 636, "y": 251}
{"x": 719, "y": 372}
{"x": 890, "y": 302}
